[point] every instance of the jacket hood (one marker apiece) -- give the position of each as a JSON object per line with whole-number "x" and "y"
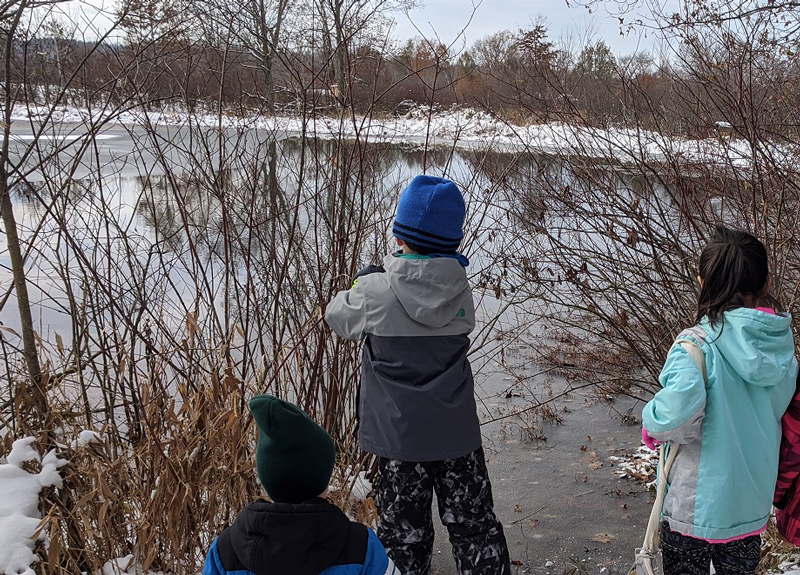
{"x": 429, "y": 289}
{"x": 757, "y": 345}
{"x": 302, "y": 539}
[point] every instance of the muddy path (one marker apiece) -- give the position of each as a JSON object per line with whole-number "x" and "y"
{"x": 563, "y": 508}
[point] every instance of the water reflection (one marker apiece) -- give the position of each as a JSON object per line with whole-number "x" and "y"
{"x": 228, "y": 231}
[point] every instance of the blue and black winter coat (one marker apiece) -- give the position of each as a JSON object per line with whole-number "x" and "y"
{"x": 312, "y": 538}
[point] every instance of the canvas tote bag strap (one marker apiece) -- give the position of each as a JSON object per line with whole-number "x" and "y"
{"x": 696, "y": 354}
{"x": 651, "y": 536}
{"x": 653, "y": 524}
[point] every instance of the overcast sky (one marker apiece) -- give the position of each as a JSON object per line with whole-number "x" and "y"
{"x": 449, "y": 17}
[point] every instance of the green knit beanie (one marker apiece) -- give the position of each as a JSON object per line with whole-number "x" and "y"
{"x": 295, "y": 455}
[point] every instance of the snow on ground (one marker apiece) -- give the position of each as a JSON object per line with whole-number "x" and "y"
{"x": 462, "y": 127}
{"x": 640, "y": 466}
{"x": 360, "y": 486}
{"x": 19, "y": 505}
{"x": 125, "y": 566}
{"x": 790, "y": 566}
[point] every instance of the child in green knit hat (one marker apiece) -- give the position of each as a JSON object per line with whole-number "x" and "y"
{"x": 299, "y": 532}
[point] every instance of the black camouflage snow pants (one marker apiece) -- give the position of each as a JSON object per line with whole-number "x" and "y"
{"x": 404, "y": 496}
{"x": 684, "y": 555}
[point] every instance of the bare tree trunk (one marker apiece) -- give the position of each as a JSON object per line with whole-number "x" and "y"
{"x": 269, "y": 35}
{"x": 340, "y": 55}
{"x": 21, "y": 287}
{"x": 36, "y": 393}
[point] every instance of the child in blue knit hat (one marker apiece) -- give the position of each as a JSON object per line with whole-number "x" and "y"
{"x": 417, "y": 402}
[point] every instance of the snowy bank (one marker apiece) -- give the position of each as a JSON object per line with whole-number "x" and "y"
{"x": 458, "y": 127}
{"x": 19, "y": 505}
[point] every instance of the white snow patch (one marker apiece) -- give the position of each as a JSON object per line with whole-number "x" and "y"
{"x": 789, "y": 567}
{"x": 360, "y": 486}
{"x": 21, "y": 451}
{"x": 117, "y": 566}
{"x": 86, "y": 437}
{"x": 19, "y": 505}
{"x": 640, "y": 466}
{"x": 125, "y": 566}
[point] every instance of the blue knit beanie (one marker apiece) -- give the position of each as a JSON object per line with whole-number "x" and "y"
{"x": 431, "y": 214}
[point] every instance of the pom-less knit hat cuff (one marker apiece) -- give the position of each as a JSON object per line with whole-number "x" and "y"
{"x": 424, "y": 239}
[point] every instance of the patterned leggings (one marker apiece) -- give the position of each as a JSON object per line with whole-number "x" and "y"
{"x": 683, "y": 555}
{"x": 404, "y": 495}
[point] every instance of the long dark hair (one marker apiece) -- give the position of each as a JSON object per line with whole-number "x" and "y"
{"x": 734, "y": 269}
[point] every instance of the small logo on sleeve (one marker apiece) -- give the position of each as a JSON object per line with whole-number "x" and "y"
{"x": 462, "y": 313}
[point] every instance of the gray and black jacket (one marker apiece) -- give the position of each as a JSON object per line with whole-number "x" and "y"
{"x": 417, "y": 399}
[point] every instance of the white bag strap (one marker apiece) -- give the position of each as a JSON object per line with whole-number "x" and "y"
{"x": 696, "y": 354}
{"x": 651, "y": 535}
{"x": 651, "y": 542}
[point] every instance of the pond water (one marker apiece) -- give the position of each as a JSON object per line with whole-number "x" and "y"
{"x": 174, "y": 230}
{"x": 173, "y": 214}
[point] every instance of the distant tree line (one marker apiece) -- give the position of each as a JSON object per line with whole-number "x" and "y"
{"x": 326, "y": 56}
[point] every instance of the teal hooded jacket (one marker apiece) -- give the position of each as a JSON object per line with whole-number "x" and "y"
{"x": 729, "y": 428}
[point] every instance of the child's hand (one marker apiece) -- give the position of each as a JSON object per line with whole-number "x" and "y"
{"x": 365, "y": 271}
{"x": 370, "y": 269}
{"x": 650, "y": 442}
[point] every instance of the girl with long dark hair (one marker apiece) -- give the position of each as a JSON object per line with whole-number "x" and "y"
{"x": 728, "y": 426}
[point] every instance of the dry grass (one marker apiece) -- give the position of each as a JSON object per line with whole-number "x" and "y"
{"x": 164, "y": 497}
{"x": 774, "y": 549}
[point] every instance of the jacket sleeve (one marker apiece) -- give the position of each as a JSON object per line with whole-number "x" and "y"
{"x": 676, "y": 412}
{"x": 376, "y": 562}
{"x": 213, "y": 564}
{"x": 347, "y": 312}
{"x": 789, "y": 467}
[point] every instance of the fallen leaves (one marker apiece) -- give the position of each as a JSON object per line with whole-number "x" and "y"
{"x": 594, "y": 461}
{"x": 640, "y": 466}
